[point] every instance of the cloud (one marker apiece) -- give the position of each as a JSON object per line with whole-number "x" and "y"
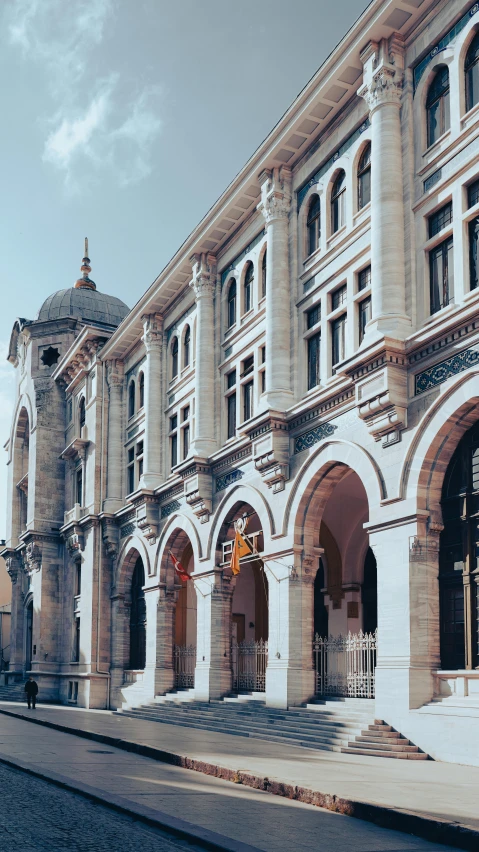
{"x": 98, "y": 124}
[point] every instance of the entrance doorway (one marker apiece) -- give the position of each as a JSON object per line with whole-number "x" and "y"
{"x": 138, "y": 619}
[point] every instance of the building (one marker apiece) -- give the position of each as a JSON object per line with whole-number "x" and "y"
{"x": 305, "y": 370}
{"x": 5, "y": 618}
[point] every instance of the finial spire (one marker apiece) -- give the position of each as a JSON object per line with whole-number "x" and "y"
{"x": 85, "y": 282}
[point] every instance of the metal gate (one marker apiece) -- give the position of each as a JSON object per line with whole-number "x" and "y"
{"x": 185, "y": 661}
{"x": 345, "y": 665}
{"x": 249, "y": 666}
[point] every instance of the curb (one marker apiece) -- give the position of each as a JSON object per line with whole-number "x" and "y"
{"x": 429, "y": 828}
{"x": 202, "y": 837}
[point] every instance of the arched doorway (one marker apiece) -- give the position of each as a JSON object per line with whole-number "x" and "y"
{"x": 320, "y": 609}
{"x": 29, "y": 636}
{"x": 185, "y": 614}
{"x": 138, "y": 618}
{"x": 249, "y": 604}
{"x": 458, "y": 557}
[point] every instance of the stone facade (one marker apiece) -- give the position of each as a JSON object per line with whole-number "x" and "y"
{"x": 306, "y": 366}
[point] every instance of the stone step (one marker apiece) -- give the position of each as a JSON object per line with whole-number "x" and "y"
{"x": 363, "y": 744}
{"x": 377, "y": 753}
{"x": 384, "y": 736}
{"x": 246, "y": 712}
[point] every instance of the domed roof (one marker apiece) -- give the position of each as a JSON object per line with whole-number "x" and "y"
{"x": 84, "y": 301}
{"x": 88, "y": 305}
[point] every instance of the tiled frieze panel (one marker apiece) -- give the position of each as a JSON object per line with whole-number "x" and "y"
{"x": 223, "y": 482}
{"x": 308, "y": 439}
{"x": 169, "y": 508}
{"x": 127, "y": 530}
{"x": 439, "y": 373}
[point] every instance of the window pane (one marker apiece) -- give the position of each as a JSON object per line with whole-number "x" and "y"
{"x": 314, "y": 349}
{"x": 186, "y": 441}
{"x": 248, "y": 365}
{"x": 472, "y": 86}
{"x": 231, "y": 379}
{"x": 440, "y": 219}
{"x": 174, "y": 450}
{"x": 339, "y": 297}
{"x": 231, "y": 415}
{"x": 441, "y": 264}
{"x": 338, "y": 339}
{"x": 364, "y": 189}
{"x": 313, "y": 316}
{"x": 473, "y": 194}
{"x": 247, "y": 401}
{"x": 173, "y": 422}
{"x": 263, "y": 275}
{"x": 364, "y": 316}
{"x": 364, "y": 278}
{"x": 473, "y": 259}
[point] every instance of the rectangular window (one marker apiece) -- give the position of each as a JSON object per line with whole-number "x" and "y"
{"x": 131, "y": 471}
{"x": 338, "y": 298}
{"x": 263, "y": 354}
{"x": 338, "y": 329}
{"x": 440, "y": 219}
{"x": 248, "y": 400}
{"x": 186, "y": 441}
{"x": 441, "y": 275}
{"x": 248, "y": 365}
{"x": 140, "y": 468}
{"x": 263, "y": 381}
{"x": 73, "y": 691}
{"x": 78, "y": 579}
{"x": 231, "y": 402}
{"x": 473, "y": 253}
{"x": 79, "y": 487}
{"x": 473, "y": 194}
{"x": 231, "y": 379}
{"x": 313, "y": 316}
{"x": 186, "y": 413}
{"x": 174, "y": 450}
{"x": 364, "y": 316}
{"x": 139, "y": 448}
{"x": 314, "y": 351}
{"x": 76, "y": 641}
{"x": 364, "y": 278}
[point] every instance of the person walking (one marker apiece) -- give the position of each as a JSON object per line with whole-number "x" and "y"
{"x": 31, "y": 689}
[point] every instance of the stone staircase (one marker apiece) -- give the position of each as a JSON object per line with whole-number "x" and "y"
{"x": 381, "y": 740}
{"x": 12, "y": 692}
{"x": 329, "y": 725}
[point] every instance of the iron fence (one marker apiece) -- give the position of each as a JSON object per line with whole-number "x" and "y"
{"x": 249, "y": 666}
{"x": 185, "y": 661}
{"x": 345, "y": 665}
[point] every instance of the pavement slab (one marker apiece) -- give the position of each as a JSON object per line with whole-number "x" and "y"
{"x": 438, "y": 791}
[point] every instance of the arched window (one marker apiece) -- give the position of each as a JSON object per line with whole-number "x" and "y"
{"x": 471, "y": 70}
{"x": 81, "y": 414}
{"x": 459, "y": 545}
{"x": 364, "y": 178}
{"x": 141, "y": 389}
{"x": 186, "y": 347}
{"x": 338, "y": 202}
{"x": 263, "y": 275}
{"x": 131, "y": 398}
{"x": 138, "y": 618}
{"x": 437, "y": 106}
{"x": 313, "y": 224}
{"x": 232, "y": 303}
{"x": 174, "y": 358}
{"x": 248, "y": 288}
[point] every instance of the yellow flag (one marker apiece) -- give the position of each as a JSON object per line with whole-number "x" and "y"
{"x": 240, "y": 548}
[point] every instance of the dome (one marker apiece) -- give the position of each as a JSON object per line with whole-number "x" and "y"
{"x": 84, "y": 301}
{"x": 85, "y": 304}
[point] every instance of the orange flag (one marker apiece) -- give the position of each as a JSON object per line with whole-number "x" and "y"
{"x": 240, "y": 548}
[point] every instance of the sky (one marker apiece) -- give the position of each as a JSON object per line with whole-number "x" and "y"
{"x": 123, "y": 121}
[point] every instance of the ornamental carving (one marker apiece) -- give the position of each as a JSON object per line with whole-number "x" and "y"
{"x": 13, "y": 565}
{"x": 275, "y": 194}
{"x": 384, "y": 88}
{"x": 152, "y": 331}
{"x": 204, "y": 275}
{"x": 114, "y": 373}
{"x": 33, "y": 556}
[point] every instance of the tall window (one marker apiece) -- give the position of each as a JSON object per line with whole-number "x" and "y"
{"x": 471, "y": 70}
{"x": 437, "y": 106}
{"x": 130, "y": 471}
{"x": 79, "y": 487}
{"x": 314, "y": 224}
{"x": 141, "y": 388}
{"x": 364, "y": 278}
{"x": 173, "y": 440}
{"x": 441, "y": 275}
{"x": 314, "y": 351}
{"x": 473, "y": 198}
{"x": 364, "y": 178}
{"x": 364, "y": 316}
{"x": 248, "y": 288}
{"x": 231, "y": 403}
{"x": 248, "y": 400}
{"x": 459, "y": 548}
{"x": 263, "y": 275}
{"x": 339, "y": 297}
{"x": 232, "y": 303}
{"x": 76, "y": 641}
{"x": 138, "y": 618}
{"x": 186, "y": 347}
{"x": 338, "y": 202}
{"x": 81, "y": 414}
{"x": 174, "y": 358}
{"x": 131, "y": 398}
{"x": 338, "y": 332}
{"x": 185, "y": 416}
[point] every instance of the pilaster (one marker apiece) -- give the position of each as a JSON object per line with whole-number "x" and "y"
{"x": 115, "y": 379}
{"x": 153, "y": 341}
{"x": 213, "y": 672}
{"x": 203, "y": 284}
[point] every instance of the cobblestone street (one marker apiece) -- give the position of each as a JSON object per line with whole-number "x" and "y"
{"x": 37, "y": 816}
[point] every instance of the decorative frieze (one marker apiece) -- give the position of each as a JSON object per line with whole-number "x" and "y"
{"x": 169, "y": 508}
{"x": 228, "y": 479}
{"x": 443, "y": 371}
{"x": 313, "y": 436}
{"x": 127, "y": 529}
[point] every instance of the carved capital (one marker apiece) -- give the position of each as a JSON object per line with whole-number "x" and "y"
{"x": 152, "y": 331}
{"x": 114, "y": 373}
{"x": 275, "y": 194}
{"x": 383, "y": 73}
{"x": 33, "y": 556}
{"x": 204, "y": 275}
{"x": 14, "y": 566}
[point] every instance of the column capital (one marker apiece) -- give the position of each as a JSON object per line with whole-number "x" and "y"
{"x": 275, "y": 194}
{"x": 204, "y": 275}
{"x": 152, "y": 331}
{"x": 115, "y": 373}
{"x": 383, "y": 72}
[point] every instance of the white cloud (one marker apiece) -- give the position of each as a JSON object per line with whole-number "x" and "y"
{"x": 96, "y": 126}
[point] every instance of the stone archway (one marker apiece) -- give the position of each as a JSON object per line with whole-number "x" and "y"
{"x": 129, "y": 629}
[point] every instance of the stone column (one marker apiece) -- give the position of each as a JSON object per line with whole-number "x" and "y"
{"x": 213, "y": 672}
{"x": 153, "y": 340}
{"x": 165, "y": 640}
{"x": 14, "y": 565}
{"x": 382, "y": 90}
{"x": 290, "y": 677}
{"x": 115, "y": 464}
{"x": 203, "y": 283}
{"x": 407, "y": 556}
{"x": 275, "y": 206}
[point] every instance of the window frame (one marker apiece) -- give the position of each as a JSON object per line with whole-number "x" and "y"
{"x": 338, "y": 202}
{"x": 174, "y": 349}
{"x": 442, "y": 100}
{"x": 443, "y": 246}
{"x": 231, "y": 303}
{"x": 313, "y": 225}
{"x": 468, "y": 67}
{"x": 248, "y": 284}
{"x": 363, "y": 170}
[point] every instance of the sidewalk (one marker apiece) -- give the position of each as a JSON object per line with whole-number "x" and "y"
{"x": 432, "y": 799}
